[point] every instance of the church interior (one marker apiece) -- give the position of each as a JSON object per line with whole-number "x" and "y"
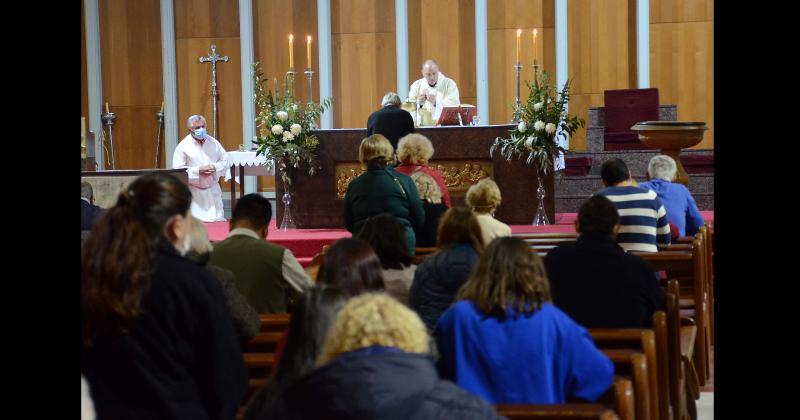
{"x": 292, "y": 109}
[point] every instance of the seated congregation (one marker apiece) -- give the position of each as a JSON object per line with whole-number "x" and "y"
{"x": 481, "y": 325}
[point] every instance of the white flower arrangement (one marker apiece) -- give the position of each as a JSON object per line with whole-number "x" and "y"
{"x": 284, "y": 128}
{"x": 545, "y": 110}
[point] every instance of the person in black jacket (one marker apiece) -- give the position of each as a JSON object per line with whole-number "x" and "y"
{"x": 595, "y": 281}
{"x": 248, "y": 323}
{"x": 391, "y": 120}
{"x": 438, "y": 278}
{"x": 375, "y": 364}
{"x": 157, "y": 338}
{"x": 89, "y": 212}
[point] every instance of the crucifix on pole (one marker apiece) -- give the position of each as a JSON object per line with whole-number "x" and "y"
{"x": 213, "y": 58}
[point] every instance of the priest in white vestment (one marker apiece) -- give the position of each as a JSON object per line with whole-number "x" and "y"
{"x": 205, "y": 161}
{"x": 434, "y": 91}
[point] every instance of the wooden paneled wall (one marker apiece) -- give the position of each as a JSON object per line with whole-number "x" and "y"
{"x": 682, "y": 59}
{"x": 505, "y": 17}
{"x": 364, "y": 65}
{"x": 600, "y": 58}
{"x": 443, "y": 30}
{"x": 273, "y": 21}
{"x": 130, "y": 42}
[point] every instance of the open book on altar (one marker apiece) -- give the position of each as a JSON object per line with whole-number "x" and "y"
{"x": 457, "y": 115}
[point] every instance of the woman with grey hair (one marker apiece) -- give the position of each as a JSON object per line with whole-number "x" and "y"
{"x": 391, "y": 121}
{"x": 414, "y": 152}
{"x": 681, "y": 208}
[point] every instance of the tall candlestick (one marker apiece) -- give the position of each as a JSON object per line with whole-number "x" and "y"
{"x": 519, "y": 34}
{"x": 291, "y": 51}
{"x": 308, "y": 52}
{"x": 534, "y": 46}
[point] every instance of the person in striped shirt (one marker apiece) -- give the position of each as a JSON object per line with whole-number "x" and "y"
{"x": 642, "y": 216}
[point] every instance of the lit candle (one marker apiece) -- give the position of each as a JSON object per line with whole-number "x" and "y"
{"x": 519, "y": 34}
{"x": 106, "y": 107}
{"x": 534, "y": 46}
{"x": 308, "y": 51}
{"x": 162, "y": 106}
{"x": 291, "y": 51}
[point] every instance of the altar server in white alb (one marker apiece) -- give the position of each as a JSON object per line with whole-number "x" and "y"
{"x": 205, "y": 161}
{"x": 434, "y": 91}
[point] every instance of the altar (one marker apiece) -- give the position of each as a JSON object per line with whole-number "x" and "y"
{"x": 461, "y": 154}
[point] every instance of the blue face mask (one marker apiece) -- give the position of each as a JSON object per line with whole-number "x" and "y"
{"x": 200, "y": 133}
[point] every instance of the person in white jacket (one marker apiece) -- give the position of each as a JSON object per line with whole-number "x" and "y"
{"x": 434, "y": 91}
{"x": 205, "y": 161}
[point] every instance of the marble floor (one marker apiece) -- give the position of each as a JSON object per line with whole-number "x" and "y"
{"x": 705, "y": 406}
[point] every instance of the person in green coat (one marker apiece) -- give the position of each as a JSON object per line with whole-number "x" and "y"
{"x": 381, "y": 189}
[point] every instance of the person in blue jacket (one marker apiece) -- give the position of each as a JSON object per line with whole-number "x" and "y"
{"x": 506, "y": 342}
{"x": 676, "y": 198}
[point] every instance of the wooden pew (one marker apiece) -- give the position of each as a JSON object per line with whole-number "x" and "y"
{"x": 259, "y": 352}
{"x": 687, "y": 263}
{"x": 706, "y": 231}
{"x": 555, "y": 411}
{"x": 421, "y": 254}
{"x": 689, "y": 268}
{"x": 633, "y": 364}
{"x": 682, "y": 376}
{"x": 644, "y": 341}
{"x": 620, "y": 396}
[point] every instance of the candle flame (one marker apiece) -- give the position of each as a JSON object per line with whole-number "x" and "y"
{"x": 309, "y": 38}
{"x": 519, "y": 32}
{"x": 291, "y": 37}
{"x": 534, "y": 33}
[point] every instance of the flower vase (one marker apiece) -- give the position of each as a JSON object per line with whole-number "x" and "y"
{"x": 287, "y": 223}
{"x": 540, "y": 219}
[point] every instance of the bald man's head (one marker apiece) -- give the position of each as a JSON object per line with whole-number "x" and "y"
{"x": 430, "y": 70}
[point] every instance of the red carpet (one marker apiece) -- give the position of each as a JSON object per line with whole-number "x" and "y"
{"x": 305, "y": 243}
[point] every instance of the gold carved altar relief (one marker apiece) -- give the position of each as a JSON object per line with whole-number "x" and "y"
{"x": 458, "y": 175}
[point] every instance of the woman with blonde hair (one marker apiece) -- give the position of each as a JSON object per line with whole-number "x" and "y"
{"x": 414, "y": 151}
{"x": 438, "y": 278}
{"x": 375, "y": 364}
{"x": 381, "y": 189}
{"x": 505, "y": 341}
{"x": 484, "y": 198}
